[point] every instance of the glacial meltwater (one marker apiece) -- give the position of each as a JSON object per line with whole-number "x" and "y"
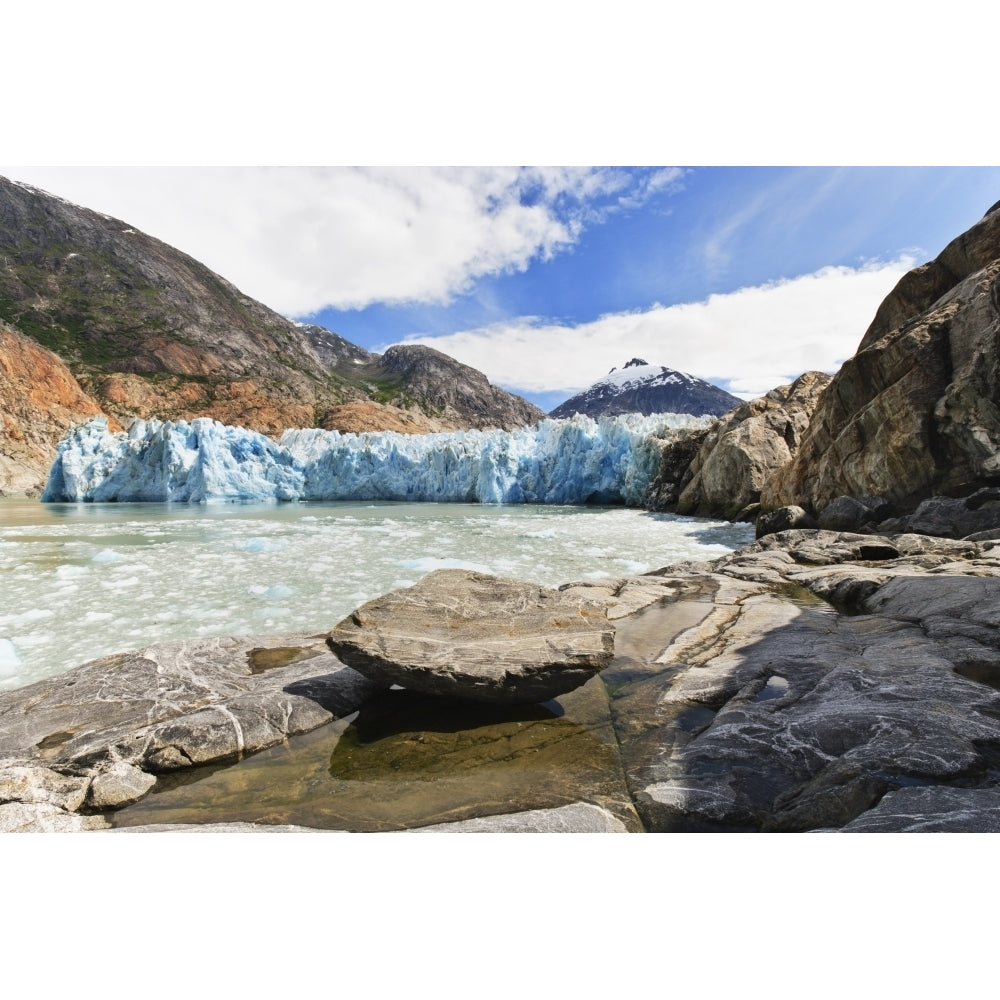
{"x": 79, "y": 581}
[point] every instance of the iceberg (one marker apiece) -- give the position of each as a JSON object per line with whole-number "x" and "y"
{"x": 611, "y": 460}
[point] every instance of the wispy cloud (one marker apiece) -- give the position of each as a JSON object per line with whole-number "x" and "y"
{"x": 305, "y": 238}
{"x": 749, "y": 340}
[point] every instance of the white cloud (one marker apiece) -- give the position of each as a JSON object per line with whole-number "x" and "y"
{"x": 749, "y": 340}
{"x": 303, "y": 238}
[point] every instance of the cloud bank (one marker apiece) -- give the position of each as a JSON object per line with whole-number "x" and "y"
{"x": 749, "y": 340}
{"x": 305, "y": 238}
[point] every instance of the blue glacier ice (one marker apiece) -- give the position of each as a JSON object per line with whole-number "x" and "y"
{"x": 611, "y": 460}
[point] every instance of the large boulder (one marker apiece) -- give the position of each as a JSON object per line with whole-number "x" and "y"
{"x": 853, "y": 513}
{"x": 915, "y": 412}
{"x": 977, "y": 516}
{"x": 748, "y": 448}
{"x": 470, "y": 635}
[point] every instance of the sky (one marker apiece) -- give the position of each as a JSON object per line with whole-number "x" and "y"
{"x": 546, "y": 278}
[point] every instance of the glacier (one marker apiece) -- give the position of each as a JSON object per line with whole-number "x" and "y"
{"x": 611, "y": 460}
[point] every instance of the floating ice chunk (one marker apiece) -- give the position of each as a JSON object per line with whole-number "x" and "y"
{"x": 108, "y": 556}
{"x": 9, "y": 660}
{"x": 261, "y": 544}
{"x": 274, "y": 592}
{"x": 430, "y": 563}
{"x": 69, "y": 571}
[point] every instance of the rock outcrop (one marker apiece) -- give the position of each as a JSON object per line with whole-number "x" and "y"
{"x": 749, "y": 448}
{"x": 772, "y": 712}
{"x": 39, "y": 401}
{"x": 916, "y": 412}
{"x": 463, "y": 634}
{"x": 95, "y": 738}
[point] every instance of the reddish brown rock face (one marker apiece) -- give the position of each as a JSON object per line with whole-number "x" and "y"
{"x": 39, "y": 400}
{"x": 361, "y": 416}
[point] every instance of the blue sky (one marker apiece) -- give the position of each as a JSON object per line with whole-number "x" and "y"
{"x": 545, "y": 278}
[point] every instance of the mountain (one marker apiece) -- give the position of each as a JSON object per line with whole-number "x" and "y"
{"x": 640, "y": 387}
{"x": 147, "y": 331}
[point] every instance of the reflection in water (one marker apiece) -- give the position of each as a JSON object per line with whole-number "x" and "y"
{"x": 412, "y": 760}
{"x": 407, "y": 760}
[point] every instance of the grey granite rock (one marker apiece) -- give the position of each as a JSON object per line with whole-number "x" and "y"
{"x": 117, "y": 786}
{"x": 93, "y": 738}
{"x": 932, "y": 810}
{"x": 774, "y": 712}
{"x": 952, "y": 517}
{"x": 468, "y": 635}
{"x": 21, "y": 817}
{"x": 579, "y": 817}
{"x": 795, "y": 719}
{"x": 141, "y": 707}
{"x": 852, "y": 513}
{"x": 749, "y": 447}
{"x": 914, "y": 412}
{"x": 784, "y": 519}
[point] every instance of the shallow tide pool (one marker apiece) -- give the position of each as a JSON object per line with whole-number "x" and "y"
{"x": 79, "y": 581}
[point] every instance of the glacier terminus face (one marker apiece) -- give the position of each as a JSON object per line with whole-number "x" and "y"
{"x": 612, "y": 460}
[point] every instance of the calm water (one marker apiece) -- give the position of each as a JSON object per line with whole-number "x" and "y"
{"x": 78, "y": 581}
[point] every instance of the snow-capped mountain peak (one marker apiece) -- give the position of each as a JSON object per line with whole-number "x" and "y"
{"x": 640, "y": 387}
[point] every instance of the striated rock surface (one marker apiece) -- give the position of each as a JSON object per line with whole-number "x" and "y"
{"x": 773, "y": 712}
{"x": 915, "y": 412}
{"x": 94, "y": 738}
{"x": 749, "y": 448}
{"x": 468, "y": 635}
{"x": 580, "y": 817}
{"x": 932, "y": 810}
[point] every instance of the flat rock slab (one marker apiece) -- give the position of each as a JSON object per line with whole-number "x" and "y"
{"x": 469, "y": 635}
{"x": 95, "y": 738}
{"x": 578, "y": 817}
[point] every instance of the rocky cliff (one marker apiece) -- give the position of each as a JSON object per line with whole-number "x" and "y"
{"x": 748, "y": 448}
{"x": 916, "y": 411}
{"x": 39, "y": 400}
{"x": 147, "y": 331}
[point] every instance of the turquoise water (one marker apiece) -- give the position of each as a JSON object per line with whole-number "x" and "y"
{"x": 78, "y": 581}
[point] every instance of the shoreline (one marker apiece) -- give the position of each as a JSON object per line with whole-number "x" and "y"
{"x": 744, "y": 654}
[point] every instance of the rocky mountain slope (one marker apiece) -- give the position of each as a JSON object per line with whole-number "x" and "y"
{"x": 148, "y": 331}
{"x": 39, "y": 400}
{"x": 640, "y": 387}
